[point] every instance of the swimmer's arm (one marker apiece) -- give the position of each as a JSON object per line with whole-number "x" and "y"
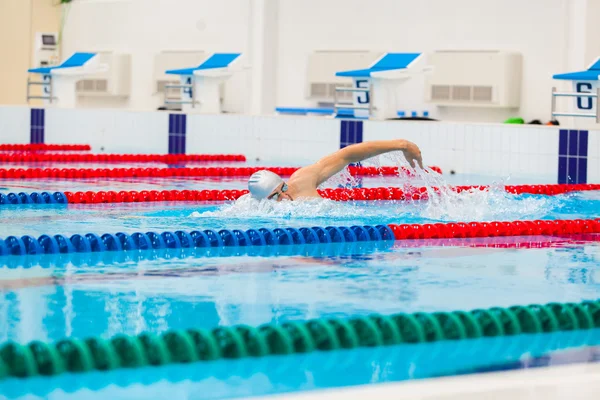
{"x": 334, "y": 163}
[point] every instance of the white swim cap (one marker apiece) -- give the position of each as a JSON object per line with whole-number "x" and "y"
{"x": 262, "y": 183}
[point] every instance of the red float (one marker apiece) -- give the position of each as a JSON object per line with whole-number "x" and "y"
{"x": 30, "y": 157}
{"x": 83, "y": 173}
{"x": 45, "y": 147}
{"x": 474, "y": 230}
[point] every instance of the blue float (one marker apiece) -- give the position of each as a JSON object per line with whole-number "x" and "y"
{"x": 33, "y": 198}
{"x": 224, "y": 238}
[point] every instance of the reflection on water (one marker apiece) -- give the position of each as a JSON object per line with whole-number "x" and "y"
{"x": 319, "y": 370}
{"x": 104, "y": 294}
{"x": 129, "y": 294}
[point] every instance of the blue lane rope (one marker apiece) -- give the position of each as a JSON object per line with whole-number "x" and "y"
{"x": 97, "y": 258}
{"x": 91, "y": 242}
{"x": 33, "y": 198}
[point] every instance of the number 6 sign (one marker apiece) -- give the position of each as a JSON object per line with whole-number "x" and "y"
{"x": 585, "y": 103}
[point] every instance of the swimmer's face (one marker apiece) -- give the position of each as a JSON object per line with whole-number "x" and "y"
{"x": 280, "y": 193}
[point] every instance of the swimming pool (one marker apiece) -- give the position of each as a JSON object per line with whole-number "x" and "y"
{"x": 79, "y": 295}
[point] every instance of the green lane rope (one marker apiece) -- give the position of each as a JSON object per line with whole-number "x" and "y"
{"x": 193, "y": 345}
{"x": 410, "y": 361}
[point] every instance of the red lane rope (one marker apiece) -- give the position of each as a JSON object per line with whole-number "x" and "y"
{"x": 420, "y": 193}
{"x": 75, "y": 173}
{"x": 503, "y": 242}
{"x": 416, "y": 193}
{"x": 117, "y": 158}
{"x": 453, "y": 230}
{"x": 45, "y": 147}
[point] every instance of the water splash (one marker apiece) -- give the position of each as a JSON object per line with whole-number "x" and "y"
{"x": 446, "y": 204}
{"x": 301, "y": 209}
{"x": 443, "y": 204}
{"x": 342, "y": 179}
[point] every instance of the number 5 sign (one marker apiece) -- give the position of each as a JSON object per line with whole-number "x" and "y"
{"x": 361, "y": 99}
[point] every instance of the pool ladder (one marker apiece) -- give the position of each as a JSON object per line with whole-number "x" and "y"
{"x": 337, "y": 105}
{"x": 596, "y": 96}
{"x": 44, "y": 83}
{"x": 177, "y": 100}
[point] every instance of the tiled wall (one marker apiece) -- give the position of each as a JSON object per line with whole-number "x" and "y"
{"x": 572, "y": 156}
{"x": 593, "y": 159}
{"x": 265, "y": 139}
{"x": 490, "y": 149}
{"x": 555, "y": 153}
{"x": 351, "y": 132}
{"x": 177, "y": 133}
{"x": 15, "y": 123}
{"x": 37, "y": 125}
{"x": 109, "y": 131}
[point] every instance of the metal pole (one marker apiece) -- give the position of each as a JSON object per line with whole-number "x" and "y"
{"x": 28, "y": 80}
{"x": 575, "y": 94}
{"x": 335, "y": 92}
{"x": 598, "y": 105}
{"x": 165, "y": 96}
{"x": 370, "y": 93}
{"x": 193, "y": 92}
{"x": 51, "y": 90}
{"x": 342, "y": 89}
{"x": 583, "y": 115}
{"x": 553, "y": 101}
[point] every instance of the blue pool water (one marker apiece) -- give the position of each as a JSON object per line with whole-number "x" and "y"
{"x": 129, "y": 296}
{"x": 36, "y": 219}
{"x": 209, "y": 183}
{"x": 284, "y": 374}
{"x": 103, "y": 294}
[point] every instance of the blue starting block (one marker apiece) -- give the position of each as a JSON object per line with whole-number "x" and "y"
{"x": 374, "y": 88}
{"x": 199, "y": 85}
{"x": 586, "y": 91}
{"x": 304, "y": 110}
{"x": 59, "y": 81}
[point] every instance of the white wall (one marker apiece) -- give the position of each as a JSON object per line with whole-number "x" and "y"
{"x": 144, "y": 28}
{"x": 15, "y": 122}
{"x": 278, "y": 35}
{"x": 592, "y": 49}
{"x": 536, "y": 28}
{"x": 594, "y": 157}
{"x": 272, "y": 139}
{"x": 109, "y": 131}
{"x": 22, "y": 19}
{"x": 527, "y": 151}
{"x": 487, "y": 149}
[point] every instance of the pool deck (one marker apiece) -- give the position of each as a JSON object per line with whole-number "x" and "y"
{"x": 577, "y": 381}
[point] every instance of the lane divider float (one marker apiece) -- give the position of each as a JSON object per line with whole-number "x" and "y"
{"x": 358, "y": 194}
{"x": 83, "y": 173}
{"x": 45, "y": 147}
{"x": 91, "y": 242}
{"x": 120, "y": 241}
{"x": 74, "y": 355}
{"x": 315, "y": 250}
{"x": 409, "y": 361}
{"x": 118, "y": 158}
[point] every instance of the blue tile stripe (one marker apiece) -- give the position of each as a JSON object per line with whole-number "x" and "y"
{"x": 572, "y": 156}
{"x": 36, "y": 125}
{"x": 177, "y": 133}
{"x": 351, "y": 132}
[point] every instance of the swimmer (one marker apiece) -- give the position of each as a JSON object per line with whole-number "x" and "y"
{"x": 304, "y": 182}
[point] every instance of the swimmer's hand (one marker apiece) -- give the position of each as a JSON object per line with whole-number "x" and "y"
{"x": 412, "y": 153}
